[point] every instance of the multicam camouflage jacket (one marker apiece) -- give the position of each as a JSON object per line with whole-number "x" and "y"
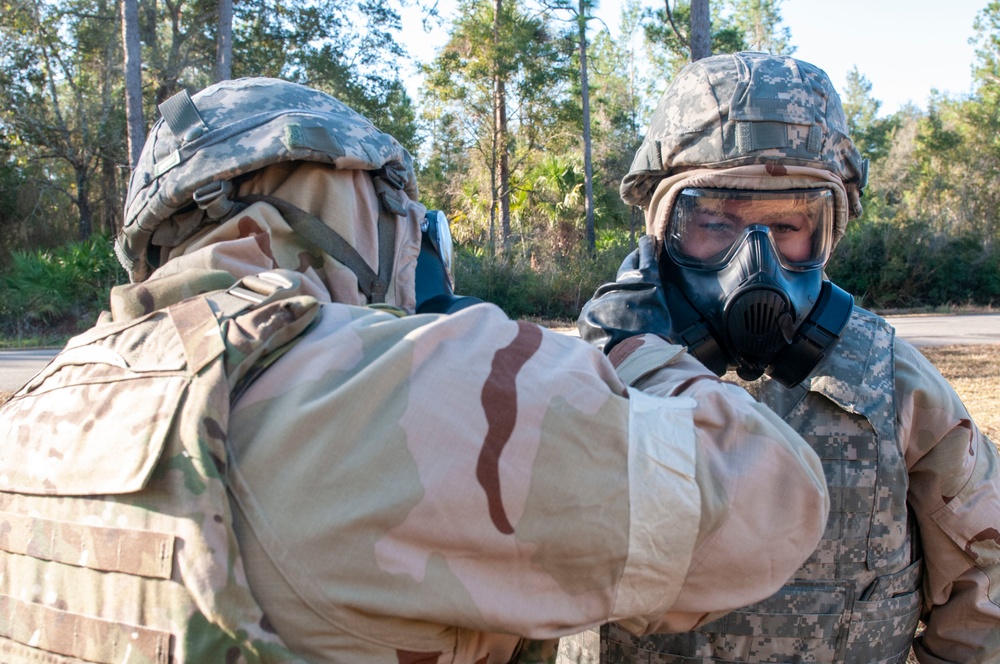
{"x": 116, "y": 543}
{"x": 913, "y": 529}
{"x": 422, "y": 488}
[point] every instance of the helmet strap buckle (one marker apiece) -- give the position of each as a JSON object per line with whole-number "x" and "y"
{"x": 214, "y": 199}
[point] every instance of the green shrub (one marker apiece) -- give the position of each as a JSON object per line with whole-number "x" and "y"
{"x": 529, "y": 286}
{"x": 966, "y": 271}
{"x": 891, "y": 266}
{"x": 58, "y": 291}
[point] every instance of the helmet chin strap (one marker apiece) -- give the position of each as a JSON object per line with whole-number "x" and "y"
{"x": 374, "y": 286}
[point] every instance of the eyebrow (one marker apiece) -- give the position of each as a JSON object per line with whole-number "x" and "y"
{"x": 728, "y": 216}
{"x": 768, "y": 219}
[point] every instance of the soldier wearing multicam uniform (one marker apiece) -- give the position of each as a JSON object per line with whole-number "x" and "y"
{"x": 261, "y": 454}
{"x": 748, "y": 179}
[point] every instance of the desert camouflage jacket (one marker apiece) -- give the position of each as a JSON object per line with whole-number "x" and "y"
{"x": 954, "y": 495}
{"x": 439, "y": 489}
{"x": 469, "y": 488}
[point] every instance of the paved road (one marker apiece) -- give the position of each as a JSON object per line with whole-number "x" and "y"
{"x": 930, "y": 330}
{"x": 17, "y": 367}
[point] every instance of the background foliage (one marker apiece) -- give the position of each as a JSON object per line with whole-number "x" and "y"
{"x": 929, "y": 235}
{"x": 47, "y": 295}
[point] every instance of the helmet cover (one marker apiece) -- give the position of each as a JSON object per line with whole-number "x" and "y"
{"x": 202, "y": 142}
{"x": 747, "y": 108}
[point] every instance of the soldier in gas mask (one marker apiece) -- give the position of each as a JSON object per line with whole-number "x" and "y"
{"x": 748, "y": 179}
{"x": 290, "y": 441}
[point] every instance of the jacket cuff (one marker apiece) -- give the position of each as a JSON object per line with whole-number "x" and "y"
{"x": 638, "y": 356}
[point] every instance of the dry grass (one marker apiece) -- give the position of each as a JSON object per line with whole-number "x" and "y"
{"x": 974, "y": 372}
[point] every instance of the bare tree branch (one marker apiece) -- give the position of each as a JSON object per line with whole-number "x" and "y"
{"x": 673, "y": 26}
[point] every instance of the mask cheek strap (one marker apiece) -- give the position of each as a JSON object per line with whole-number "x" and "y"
{"x": 816, "y": 336}
{"x": 693, "y": 331}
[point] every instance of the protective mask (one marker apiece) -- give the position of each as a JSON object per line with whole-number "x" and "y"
{"x": 434, "y": 281}
{"x": 748, "y": 267}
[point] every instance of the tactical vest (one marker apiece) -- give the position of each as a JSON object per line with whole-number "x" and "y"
{"x": 116, "y": 537}
{"x": 857, "y": 598}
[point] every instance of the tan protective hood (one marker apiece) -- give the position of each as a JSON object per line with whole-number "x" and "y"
{"x": 260, "y": 238}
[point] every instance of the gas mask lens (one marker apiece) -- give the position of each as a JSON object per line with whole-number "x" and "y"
{"x": 708, "y": 225}
{"x": 436, "y": 226}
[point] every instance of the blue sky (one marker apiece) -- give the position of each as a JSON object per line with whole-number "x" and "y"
{"x": 905, "y": 48}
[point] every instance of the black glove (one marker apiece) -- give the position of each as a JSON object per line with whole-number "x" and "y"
{"x": 634, "y": 304}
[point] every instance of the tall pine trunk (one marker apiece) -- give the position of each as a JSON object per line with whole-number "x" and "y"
{"x": 701, "y": 30}
{"x": 502, "y": 182}
{"x": 86, "y": 224}
{"x": 224, "y": 42}
{"x": 587, "y": 167}
{"x": 133, "y": 81}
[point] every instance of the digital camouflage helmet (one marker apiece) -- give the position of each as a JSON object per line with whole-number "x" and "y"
{"x": 204, "y": 143}
{"x": 744, "y": 152}
{"x": 740, "y": 109}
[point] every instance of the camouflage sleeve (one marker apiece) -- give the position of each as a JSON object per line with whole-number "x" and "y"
{"x": 490, "y": 476}
{"x": 955, "y": 495}
{"x": 758, "y": 483}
